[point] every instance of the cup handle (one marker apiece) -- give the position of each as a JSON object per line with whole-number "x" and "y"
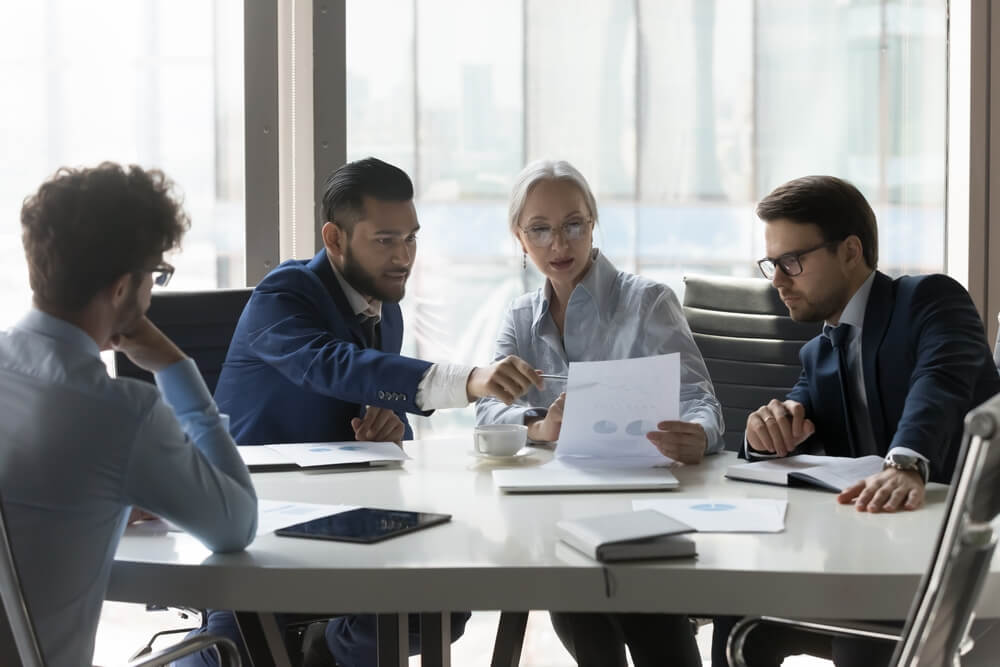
{"x": 475, "y": 441}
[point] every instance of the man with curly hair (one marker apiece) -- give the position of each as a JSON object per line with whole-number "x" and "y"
{"x": 79, "y": 449}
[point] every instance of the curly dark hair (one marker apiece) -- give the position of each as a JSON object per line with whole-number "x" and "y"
{"x": 85, "y": 228}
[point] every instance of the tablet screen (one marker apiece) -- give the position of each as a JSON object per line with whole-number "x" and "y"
{"x": 364, "y": 524}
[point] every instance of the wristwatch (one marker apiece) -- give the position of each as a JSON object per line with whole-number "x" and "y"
{"x": 907, "y": 462}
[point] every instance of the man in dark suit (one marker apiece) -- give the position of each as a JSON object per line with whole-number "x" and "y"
{"x": 315, "y": 357}
{"x": 897, "y": 366}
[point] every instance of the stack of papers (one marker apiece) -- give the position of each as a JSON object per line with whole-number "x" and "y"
{"x": 722, "y": 515}
{"x": 321, "y": 454}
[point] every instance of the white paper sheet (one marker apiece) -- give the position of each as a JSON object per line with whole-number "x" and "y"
{"x": 611, "y": 405}
{"x": 722, "y": 515}
{"x": 275, "y": 514}
{"x": 311, "y": 454}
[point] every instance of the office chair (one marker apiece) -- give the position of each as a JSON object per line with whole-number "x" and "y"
{"x": 936, "y": 632}
{"x": 19, "y": 644}
{"x": 749, "y": 343}
{"x": 200, "y": 323}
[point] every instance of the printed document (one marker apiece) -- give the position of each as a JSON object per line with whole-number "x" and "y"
{"x": 314, "y": 454}
{"x": 612, "y": 405}
{"x": 722, "y": 515}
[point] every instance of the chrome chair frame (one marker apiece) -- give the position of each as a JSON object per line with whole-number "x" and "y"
{"x": 936, "y": 632}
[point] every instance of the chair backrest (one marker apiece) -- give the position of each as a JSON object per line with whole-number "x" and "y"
{"x": 18, "y": 643}
{"x": 750, "y": 344}
{"x": 200, "y": 323}
{"x": 942, "y": 611}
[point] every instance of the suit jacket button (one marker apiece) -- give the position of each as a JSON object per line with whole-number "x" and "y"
{"x": 381, "y": 394}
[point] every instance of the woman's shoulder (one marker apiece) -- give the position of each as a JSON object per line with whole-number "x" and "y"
{"x": 642, "y": 287}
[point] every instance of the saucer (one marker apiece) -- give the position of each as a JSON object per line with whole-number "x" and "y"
{"x": 522, "y": 453}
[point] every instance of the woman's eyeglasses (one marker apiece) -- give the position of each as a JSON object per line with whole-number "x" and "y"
{"x": 542, "y": 235}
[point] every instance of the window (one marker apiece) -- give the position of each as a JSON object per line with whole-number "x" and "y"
{"x": 154, "y": 83}
{"x": 681, "y": 114}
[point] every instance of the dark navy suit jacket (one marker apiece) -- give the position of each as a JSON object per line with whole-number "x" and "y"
{"x": 298, "y": 370}
{"x": 926, "y": 363}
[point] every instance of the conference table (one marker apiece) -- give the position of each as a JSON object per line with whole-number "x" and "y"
{"x": 499, "y": 552}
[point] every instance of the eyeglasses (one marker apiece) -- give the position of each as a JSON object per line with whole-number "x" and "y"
{"x": 790, "y": 263}
{"x": 162, "y": 273}
{"x": 542, "y": 235}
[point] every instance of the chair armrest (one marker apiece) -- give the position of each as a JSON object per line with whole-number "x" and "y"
{"x": 229, "y": 655}
{"x": 738, "y": 636}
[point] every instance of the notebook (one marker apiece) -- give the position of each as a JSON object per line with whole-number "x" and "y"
{"x": 557, "y": 476}
{"x": 832, "y": 473}
{"x": 628, "y": 536}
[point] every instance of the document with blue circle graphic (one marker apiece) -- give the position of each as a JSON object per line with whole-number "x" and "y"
{"x": 612, "y": 405}
{"x": 722, "y": 515}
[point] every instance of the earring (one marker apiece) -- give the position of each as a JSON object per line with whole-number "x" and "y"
{"x": 524, "y": 261}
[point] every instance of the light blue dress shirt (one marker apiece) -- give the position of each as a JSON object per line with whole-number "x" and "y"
{"x": 78, "y": 449}
{"x": 611, "y": 314}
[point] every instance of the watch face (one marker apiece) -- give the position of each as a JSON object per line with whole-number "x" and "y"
{"x": 904, "y": 460}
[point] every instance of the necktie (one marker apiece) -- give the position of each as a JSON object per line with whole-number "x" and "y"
{"x": 840, "y": 338}
{"x": 369, "y": 331}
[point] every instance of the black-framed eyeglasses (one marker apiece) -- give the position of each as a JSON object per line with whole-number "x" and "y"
{"x": 790, "y": 263}
{"x": 541, "y": 235}
{"x": 162, "y": 273}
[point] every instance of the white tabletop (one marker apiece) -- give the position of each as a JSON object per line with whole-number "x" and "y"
{"x": 499, "y": 552}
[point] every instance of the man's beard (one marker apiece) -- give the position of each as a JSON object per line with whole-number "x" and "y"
{"x": 822, "y": 310}
{"x": 365, "y": 282}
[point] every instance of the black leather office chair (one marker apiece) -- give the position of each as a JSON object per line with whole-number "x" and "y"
{"x": 750, "y": 344}
{"x": 936, "y": 632}
{"x": 200, "y": 323}
{"x": 19, "y": 644}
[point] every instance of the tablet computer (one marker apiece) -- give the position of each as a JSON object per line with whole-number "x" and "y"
{"x": 364, "y": 524}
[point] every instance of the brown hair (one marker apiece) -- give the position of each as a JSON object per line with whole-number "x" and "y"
{"x": 832, "y": 204}
{"x": 85, "y": 228}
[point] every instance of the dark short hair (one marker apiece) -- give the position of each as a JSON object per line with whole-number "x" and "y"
{"x": 85, "y": 228}
{"x": 349, "y": 185}
{"x": 832, "y": 204}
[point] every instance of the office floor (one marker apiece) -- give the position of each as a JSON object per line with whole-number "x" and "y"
{"x": 124, "y": 628}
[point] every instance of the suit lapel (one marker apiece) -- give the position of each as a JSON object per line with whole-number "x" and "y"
{"x": 320, "y": 265}
{"x": 877, "y": 315}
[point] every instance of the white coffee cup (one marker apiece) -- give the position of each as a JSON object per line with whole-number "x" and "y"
{"x": 500, "y": 439}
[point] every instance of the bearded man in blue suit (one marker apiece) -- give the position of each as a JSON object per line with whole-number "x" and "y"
{"x": 315, "y": 358}
{"x": 898, "y": 365}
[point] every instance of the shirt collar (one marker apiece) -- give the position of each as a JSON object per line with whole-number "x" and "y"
{"x": 854, "y": 311}
{"x": 39, "y": 322}
{"x": 593, "y": 286}
{"x": 359, "y": 304}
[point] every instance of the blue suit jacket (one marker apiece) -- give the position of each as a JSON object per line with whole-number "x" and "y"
{"x": 926, "y": 363}
{"x": 297, "y": 369}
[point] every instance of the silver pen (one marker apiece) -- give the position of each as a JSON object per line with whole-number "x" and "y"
{"x": 551, "y": 376}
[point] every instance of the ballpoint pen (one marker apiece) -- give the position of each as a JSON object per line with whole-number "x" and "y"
{"x": 551, "y": 376}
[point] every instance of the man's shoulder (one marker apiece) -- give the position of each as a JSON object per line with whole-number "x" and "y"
{"x": 928, "y": 286}
{"x": 291, "y": 273}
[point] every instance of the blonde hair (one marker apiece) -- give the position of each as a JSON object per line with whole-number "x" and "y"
{"x": 547, "y": 170}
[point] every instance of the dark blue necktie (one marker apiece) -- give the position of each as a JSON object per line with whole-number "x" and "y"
{"x": 840, "y": 338}
{"x": 369, "y": 330}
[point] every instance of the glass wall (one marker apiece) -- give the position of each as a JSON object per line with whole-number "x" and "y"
{"x": 158, "y": 83}
{"x": 682, "y": 114}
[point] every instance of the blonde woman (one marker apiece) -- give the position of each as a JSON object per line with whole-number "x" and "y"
{"x": 588, "y": 310}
